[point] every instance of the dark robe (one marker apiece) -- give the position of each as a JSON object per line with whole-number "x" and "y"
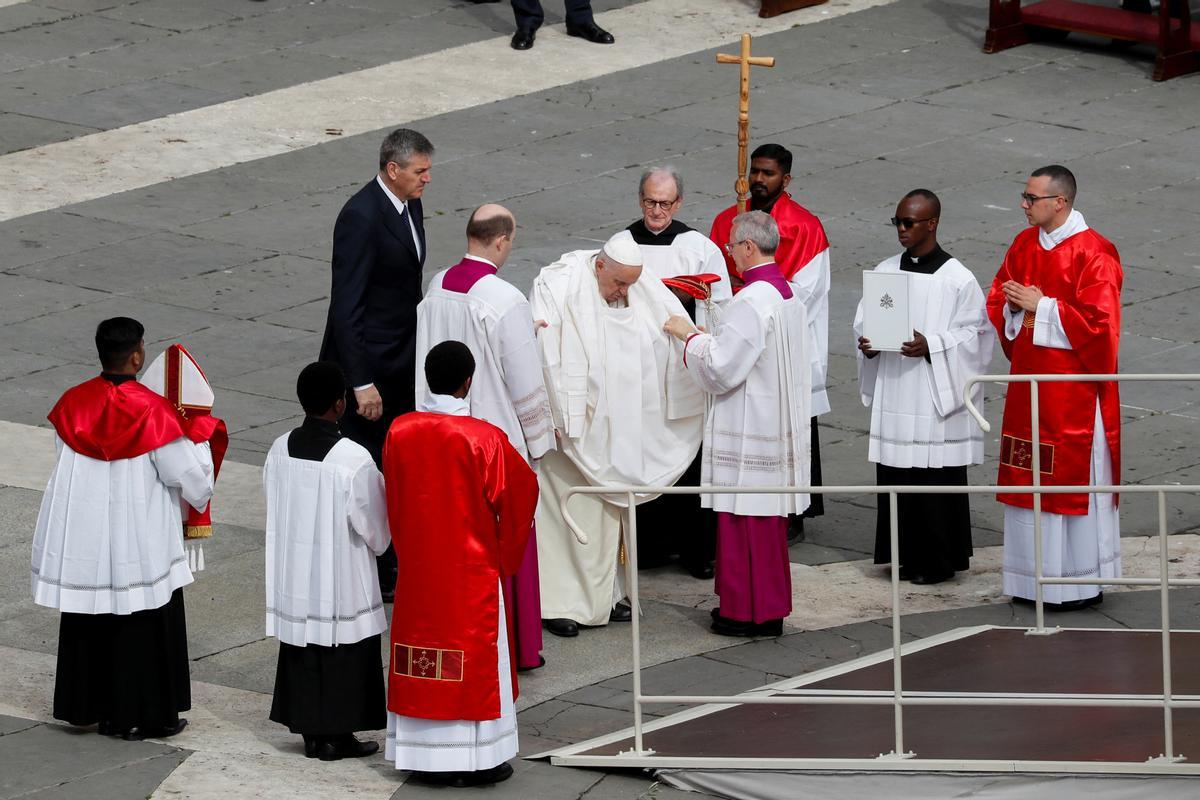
{"x": 934, "y": 529}
{"x": 675, "y": 524}
{"x": 125, "y": 670}
{"x": 327, "y": 691}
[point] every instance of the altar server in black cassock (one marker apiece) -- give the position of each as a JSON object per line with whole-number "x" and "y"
{"x": 108, "y": 550}
{"x": 921, "y": 433}
{"x": 326, "y": 521}
{"x": 676, "y": 523}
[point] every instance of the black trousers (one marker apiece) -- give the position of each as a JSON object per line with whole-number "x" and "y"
{"x": 129, "y": 670}
{"x": 529, "y": 14}
{"x": 372, "y": 435}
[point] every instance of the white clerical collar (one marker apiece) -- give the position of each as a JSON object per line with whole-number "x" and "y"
{"x": 1074, "y": 224}
{"x": 401, "y": 209}
{"x": 484, "y": 260}
{"x": 447, "y": 404}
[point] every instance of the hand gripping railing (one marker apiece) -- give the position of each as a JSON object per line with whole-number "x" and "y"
{"x": 896, "y": 698}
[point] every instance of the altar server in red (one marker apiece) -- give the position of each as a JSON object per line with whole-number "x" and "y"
{"x": 471, "y": 303}
{"x": 460, "y": 503}
{"x": 326, "y": 522}
{"x": 756, "y": 431}
{"x": 803, "y": 258}
{"x": 108, "y": 550}
{"x": 1056, "y": 304}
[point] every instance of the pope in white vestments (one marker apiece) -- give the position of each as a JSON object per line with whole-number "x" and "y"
{"x": 625, "y": 409}
{"x": 755, "y": 364}
{"x": 470, "y": 303}
{"x": 921, "y": 433}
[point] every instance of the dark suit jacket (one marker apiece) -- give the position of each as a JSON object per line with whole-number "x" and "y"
{"x": 372, "y": 323}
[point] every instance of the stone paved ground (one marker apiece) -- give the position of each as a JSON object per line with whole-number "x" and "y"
{"x": 234, "y": 262}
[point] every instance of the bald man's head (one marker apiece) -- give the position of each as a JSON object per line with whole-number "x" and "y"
{"x": 490, "y": 233}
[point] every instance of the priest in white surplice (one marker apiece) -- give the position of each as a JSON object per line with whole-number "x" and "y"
{"x": 108, "y": 550}
{"x": 470, "y": 303}
{"x": 676, "y": 523}
{"x": 326, "y": 523}
{"x": 625, "y": 409}
{"x": 921, "y": 433}
{"x": 757, "y": 434}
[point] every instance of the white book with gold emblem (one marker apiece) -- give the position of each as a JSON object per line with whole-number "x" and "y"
{"x": 886, "y": 320}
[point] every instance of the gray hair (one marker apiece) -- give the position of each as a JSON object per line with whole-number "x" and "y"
{"x": 401, "y": 145}
{"x": 667, "y": 170}
{"x": 757, "y": 227}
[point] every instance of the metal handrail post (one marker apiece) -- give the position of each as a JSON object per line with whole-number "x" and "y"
{"x": 897, "y": 682}
{"x": 631, "y": 578}
{"x": 1164, "y": 591}
{"x": 1039, "y": 599}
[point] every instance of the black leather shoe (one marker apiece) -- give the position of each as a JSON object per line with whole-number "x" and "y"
{"x": 772, "y": 627}
{"x": 700, "y": 572}
{"x": 1078, "y": 605}
{"x": 929, "y": 580}
{"x": 541, "y": 663}
{"x": 621, "y": 613}
{"x": 139, "y": 733}
{"x": 310, "y": 746}
{"x": 723, "y": 626}
{"x": 483, "y": 777}
{"x": 106, "y": 728}
{"x": 346, "y": 746}
{"x": 522, "y": 40}
{"x": 561, "y": 627}
{"x": 591, "y": 31}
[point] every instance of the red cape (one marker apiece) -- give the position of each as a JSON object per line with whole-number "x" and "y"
{"x": 108, "y": 421}
{"x": 801, "y": 235}
{"x": 1083, "y": 274}
{"x": 460, "y": 506}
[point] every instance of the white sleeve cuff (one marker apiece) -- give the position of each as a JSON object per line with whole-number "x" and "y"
{"x": 364, "y": 387}
{"x": 1012, "y": 321}
{"x": 1047, "y": 326}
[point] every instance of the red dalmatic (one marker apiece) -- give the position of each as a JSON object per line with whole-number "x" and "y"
{"x": 460, "y": 505}
{"x": 801, "y": 235}
{"x": 1083, "y": 274}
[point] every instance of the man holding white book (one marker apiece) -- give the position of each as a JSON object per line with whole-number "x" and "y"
{"x": 921, "y": 433}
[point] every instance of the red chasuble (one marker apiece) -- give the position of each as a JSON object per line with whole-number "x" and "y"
{"x": 460, "y": 506}
{"x": 1084, "y": 275}
{"x": 107, "y": 421}
{"x": 801, "y": 236}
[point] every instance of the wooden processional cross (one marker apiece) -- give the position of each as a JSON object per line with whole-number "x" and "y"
{"x": 742, "y": 186}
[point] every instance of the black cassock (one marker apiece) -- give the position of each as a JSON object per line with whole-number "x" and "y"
{"x": 327, "y": 691}
{"x": 934, "y": 529}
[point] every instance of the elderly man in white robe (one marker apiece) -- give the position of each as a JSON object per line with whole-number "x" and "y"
{"x": 921, "y": 433}
{"x": 470, "y": 303}
{"x": 626, "y": 412}
{"x": 108, "y": 550}
{"x": 676, "y": 523}
{"x": 755, "y": 364}
{"x": 326, "y": 523}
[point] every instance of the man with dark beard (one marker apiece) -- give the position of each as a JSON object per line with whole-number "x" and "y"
{"x": 803, "y": 257}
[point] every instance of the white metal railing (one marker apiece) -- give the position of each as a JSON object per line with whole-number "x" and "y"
{"x": 896, "y": 697}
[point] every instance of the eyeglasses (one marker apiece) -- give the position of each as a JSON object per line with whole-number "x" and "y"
{"x": 908, "y": 222}
{"x": 729, "y": 247}
{"x": 1030, "y": 199}
{"x": 663, "y": 205}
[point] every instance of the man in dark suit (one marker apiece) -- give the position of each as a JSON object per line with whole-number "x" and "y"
{"x": 378, "y": 252}
{"x": 580, "y": 22}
